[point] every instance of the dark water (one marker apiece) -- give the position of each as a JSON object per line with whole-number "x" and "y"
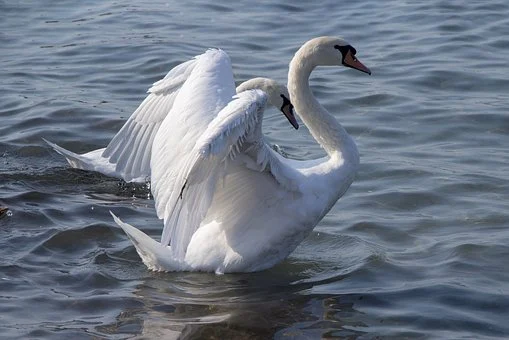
{"x": 418, "y": 247}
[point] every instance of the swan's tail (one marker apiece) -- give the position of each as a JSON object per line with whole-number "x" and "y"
{"x": 75, "y": 160}
{"x": 155, "y": 256}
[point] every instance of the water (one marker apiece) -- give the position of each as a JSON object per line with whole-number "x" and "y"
{"x": 417, "y": 248}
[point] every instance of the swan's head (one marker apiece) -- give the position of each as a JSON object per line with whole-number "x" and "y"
{"x": 278, "y": 96}
{"x": 333, "y": 51}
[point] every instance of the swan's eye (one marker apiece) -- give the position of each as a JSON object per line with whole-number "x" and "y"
{"x": 344, "y": 51}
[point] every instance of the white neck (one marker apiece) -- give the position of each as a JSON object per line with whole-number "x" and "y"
{"x": 324, "y": 128}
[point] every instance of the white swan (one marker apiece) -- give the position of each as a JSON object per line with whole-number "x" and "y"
{"x": 229, "y": 202}
{"x": 127, "y": 156}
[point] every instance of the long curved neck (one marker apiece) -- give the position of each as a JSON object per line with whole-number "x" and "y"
{"x": 324, "y": 128}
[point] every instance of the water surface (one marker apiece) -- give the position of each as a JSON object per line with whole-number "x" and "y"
{"x": 417, "y": 248}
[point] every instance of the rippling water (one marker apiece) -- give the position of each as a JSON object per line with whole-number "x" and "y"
{"x": 418, "y": 247}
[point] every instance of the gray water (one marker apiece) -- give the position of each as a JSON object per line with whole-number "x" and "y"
{"x": 418, "y": 248}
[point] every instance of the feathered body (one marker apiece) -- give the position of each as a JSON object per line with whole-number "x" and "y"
{"x": 228, "y": 201}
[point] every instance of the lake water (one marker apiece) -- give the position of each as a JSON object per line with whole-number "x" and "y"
{"x": 418, "y": 247}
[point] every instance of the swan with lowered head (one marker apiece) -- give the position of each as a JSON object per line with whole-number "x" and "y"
{"x": 228, "y": 201}
{"x": 128, "y": 154}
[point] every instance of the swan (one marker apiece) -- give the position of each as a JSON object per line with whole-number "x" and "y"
{"x": 229, "y": 202}
{"x": 127, "y": 156}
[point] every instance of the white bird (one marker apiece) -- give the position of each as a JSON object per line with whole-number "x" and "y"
{"x": 229, "y": 202}
{"x": 127, "y": 156}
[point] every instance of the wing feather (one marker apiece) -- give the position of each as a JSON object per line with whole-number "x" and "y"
{"x": 209, "y": 87}
{"x": 142, "y": 145}
{"x": 186, "y": 207}
{"x": 130, "y": 149}
{"x": 130, "y": 168}
{"x": 192, "y": 150}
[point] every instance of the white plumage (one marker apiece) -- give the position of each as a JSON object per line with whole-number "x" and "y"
{"x": 128, "y": 154}
{"x": 228, "y": 201}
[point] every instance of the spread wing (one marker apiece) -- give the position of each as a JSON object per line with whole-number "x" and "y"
{"x": 130, "y": 149}
{"x": 184, "y": 203}
{"x": 206, "y": 129}
{"x": 208, "y": 89}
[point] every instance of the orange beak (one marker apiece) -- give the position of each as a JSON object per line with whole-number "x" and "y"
{"x": 351, "y": 61}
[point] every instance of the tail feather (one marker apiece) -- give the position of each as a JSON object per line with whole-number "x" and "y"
{"x": 154, "y": 255}
{"x": 75, "y": 160}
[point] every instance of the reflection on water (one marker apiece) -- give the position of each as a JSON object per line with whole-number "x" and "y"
{"x": 260, "y": 305}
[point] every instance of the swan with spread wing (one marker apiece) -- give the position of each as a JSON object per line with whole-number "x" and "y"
{"x": 127, "y": 156}
{"x": 229, "y": 202}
